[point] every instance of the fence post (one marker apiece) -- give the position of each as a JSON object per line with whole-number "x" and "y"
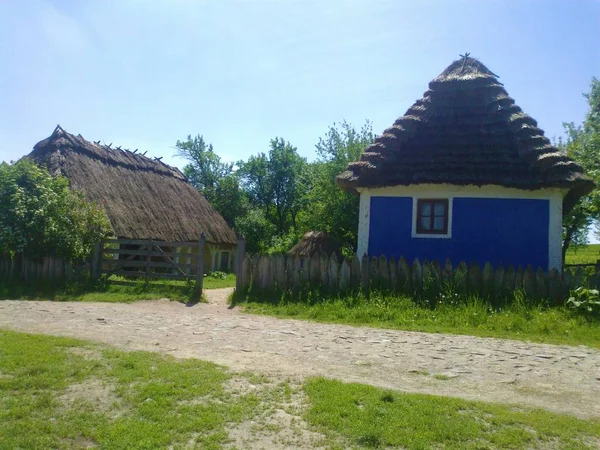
{"x": 200, "y": 265}
{"x": 97, "y": 260}
{"x": 239, "y": 261}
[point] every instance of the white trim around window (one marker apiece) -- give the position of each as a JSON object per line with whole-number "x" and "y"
{"x": 415, "y": 217}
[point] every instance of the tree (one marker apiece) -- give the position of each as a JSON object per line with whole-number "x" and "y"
{"x": 40, "y": 215}
{"x": 230, "y": 200}
{"x": 276, "y": 183}
{"x": 332, "y": 209}
{"x": 205, "y": 169}
{"x": 583, "y": 145}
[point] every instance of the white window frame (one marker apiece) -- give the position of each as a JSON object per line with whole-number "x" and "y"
{"x": 413, "y": 230}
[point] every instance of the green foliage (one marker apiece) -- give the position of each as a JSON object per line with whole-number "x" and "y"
{"x": 205, "y": 168}
{"x": 276, "y": 183}
{"x": 373, "y": 418}
{"x": 256, "y": 229}
{"x": 583, "y": 145}
{"x": 40, "y": 215}
{"x": 331, "y": 209}
{"x": 585, "y": 301}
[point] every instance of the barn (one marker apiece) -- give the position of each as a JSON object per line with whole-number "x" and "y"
{"x": 466, "y": 175}
{"x": 143, "y": 198}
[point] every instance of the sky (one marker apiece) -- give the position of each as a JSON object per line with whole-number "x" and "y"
{"x": 146, "y": 73}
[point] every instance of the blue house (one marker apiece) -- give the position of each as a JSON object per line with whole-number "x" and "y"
{"x": 465, "y": 174}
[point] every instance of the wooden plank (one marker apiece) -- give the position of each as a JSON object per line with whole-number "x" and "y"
{"x": 126, "y": 252}
{"x": 240, "y": 253}
{"x": 305, "y": 277}
{"x": 364, "y": 273}
{"x": 554, "y": 286}
{"x": 324, "y": 266}
{"x": 200, "y": 268}
{"x": 167, "y": 276}
{"x": 345, "y": 276}
{"x": 499, "y": 282}
{"x": 487, "y": 280}
{"x": 508, "y": 284}
{"x": 296, "y": 275}
{"x": 404, "y": 276}
{"x": 541, "y": 281}
{"x": 280, "y": 271}
{"x": 145, "y": 242}
{"x": 315, "y": 269}
{"x": 519, "y": 278}
{"x": 417, "y": 276}
{"x": 374, "y": 280}
{"x": 244, "y": 274}
{"x": 384, "y": 272}
{"x": 334, "y": 268}
{"x": 116, "y": 263}
{"x": 529, "y": 282}
{"x": 393, "y": 284}
{"x": 474, "y": 278}
{"x": 256, "y": 271}
{"x": 567, "y": 283}
{"x": 448, "y": 273}
{"x": 355, "y": 272}
{"x": 289, "y": 272}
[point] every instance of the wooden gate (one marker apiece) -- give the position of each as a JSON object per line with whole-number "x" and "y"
{"x": 150, "y": 259}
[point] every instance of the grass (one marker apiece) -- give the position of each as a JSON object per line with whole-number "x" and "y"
{"x": 375, "y": 418}
{"x": 583, "y": 255}
{"x": 555, "y": 325}
{"x": 109, "y": 291}
{"x": 64, "y": 393}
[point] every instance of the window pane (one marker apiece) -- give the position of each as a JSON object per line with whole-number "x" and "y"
{"x": 438, "y": 223}
{"x": 425, "y": 223}
{"x": 425, "y": 209}
{"x": 439, "y": 209}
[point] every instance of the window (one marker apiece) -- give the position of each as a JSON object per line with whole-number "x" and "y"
{"x": 432, "y": 216}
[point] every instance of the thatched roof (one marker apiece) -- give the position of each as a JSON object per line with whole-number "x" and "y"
{"x": 143, "y": 197}
{"x": 466, "y": 130}
{"x": 317, "y": 241}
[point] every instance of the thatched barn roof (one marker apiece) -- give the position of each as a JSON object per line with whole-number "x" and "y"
{"x": 143, "y": 197}
{"x": 317, "y": 241}
{"x": 466, "y": 130}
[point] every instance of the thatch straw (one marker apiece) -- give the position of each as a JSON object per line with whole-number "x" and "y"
{"x": 315, "y": 242}
{"x": 466, "y": 130}
{"x": 143, "y": 198}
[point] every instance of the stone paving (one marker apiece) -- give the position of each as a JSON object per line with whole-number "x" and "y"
{"x": 556, "y": 377}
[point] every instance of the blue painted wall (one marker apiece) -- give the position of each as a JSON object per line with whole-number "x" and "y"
{"x": 508, "y": 231}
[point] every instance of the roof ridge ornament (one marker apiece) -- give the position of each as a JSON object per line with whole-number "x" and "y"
{"x": 464, "y": 57}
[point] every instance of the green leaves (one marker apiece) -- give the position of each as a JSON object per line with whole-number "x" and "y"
{"x": 41, "y": 215}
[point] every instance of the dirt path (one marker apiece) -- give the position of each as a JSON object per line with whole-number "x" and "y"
{"x": 558, "y": 378}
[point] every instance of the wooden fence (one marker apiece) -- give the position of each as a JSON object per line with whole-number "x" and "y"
{"x": 427, "y": 279}
{"x": 48, "y": 268}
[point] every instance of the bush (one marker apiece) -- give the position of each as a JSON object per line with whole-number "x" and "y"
{"x": 40, "y": 215}
{"x": 585, "y": 301}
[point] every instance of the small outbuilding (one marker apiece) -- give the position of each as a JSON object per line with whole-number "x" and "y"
{"x": 316, "y": 242}
{"x": 465, "y": 174}
{"x": 142, "y": 197}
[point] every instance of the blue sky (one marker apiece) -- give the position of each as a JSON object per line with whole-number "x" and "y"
{"x": 143, "y": 74}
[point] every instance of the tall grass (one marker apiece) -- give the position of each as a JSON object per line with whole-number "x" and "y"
{"x": 514, "y": 318}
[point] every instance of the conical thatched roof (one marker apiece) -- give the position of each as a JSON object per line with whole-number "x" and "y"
{"x": 466, "y": 130}
{"x": 315, "y": 242}
{"x": 143, "y": 198}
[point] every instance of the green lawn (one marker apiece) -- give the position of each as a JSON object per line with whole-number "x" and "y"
{"x": 584, "y": 255}
{"x": 63, "y": 393}
{"x": 374, "y": 418}
{"x": 555, "y": 325}
{"x": 110, "y": 291}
